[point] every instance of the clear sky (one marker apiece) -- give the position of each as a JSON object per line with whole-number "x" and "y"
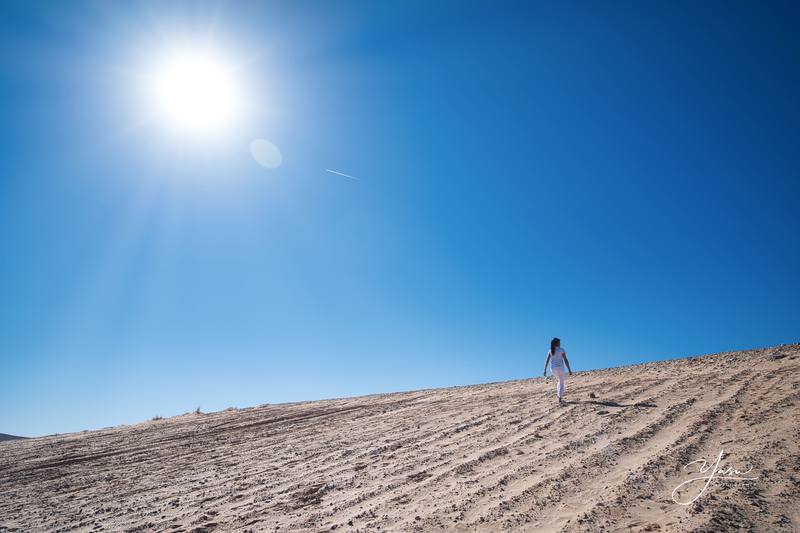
{"x": 623, "y": 175}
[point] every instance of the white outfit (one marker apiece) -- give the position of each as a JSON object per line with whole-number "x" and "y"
{"x": 558, "y": 372}
{"x": 557, "y": 366}
{"x": 557, "y": 358}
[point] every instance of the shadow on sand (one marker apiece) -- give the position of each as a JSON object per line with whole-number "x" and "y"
{"x": 610, "y": 403}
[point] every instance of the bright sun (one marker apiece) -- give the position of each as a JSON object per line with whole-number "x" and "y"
{"x": 195, "y": 92}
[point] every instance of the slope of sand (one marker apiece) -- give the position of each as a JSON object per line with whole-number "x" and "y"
{"x": 490, "y": 457}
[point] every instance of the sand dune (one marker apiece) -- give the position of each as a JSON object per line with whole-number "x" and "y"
{"x": 492, "y": 457}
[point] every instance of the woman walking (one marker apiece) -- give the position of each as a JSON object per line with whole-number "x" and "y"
{"x": 557, "y": 358}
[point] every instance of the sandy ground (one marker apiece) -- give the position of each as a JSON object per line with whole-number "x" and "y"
{"x": 492, "y": 457}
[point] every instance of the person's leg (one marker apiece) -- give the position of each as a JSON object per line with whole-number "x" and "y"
{"x": 559, "y": 374}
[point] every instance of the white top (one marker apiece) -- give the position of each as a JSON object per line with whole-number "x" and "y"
{"x": 557, "y": 358}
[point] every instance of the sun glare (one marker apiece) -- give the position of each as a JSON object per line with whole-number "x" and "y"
{"x": 195, "y": 92}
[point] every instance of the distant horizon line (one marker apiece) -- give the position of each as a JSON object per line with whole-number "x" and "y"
{"x": 9, "y": 437}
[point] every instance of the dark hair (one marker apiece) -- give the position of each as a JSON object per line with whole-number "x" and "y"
{"x": 553, "y": 345}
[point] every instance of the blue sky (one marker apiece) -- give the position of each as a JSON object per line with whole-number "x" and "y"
{"x": 624, "y": 175}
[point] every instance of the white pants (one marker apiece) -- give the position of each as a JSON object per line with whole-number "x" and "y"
{"x": 558, "y": 373}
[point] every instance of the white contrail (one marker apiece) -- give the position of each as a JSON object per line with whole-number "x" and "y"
{"x": 341, "y": 174}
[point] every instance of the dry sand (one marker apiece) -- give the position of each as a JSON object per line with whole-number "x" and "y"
{"x": 494, "y": 457}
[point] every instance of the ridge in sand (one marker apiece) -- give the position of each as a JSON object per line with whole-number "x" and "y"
{"x": 496, "y": 457}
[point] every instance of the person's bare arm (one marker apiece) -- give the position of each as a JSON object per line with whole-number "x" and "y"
{"x": 545, "y": 364}
{"x": 567, "y": 361}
